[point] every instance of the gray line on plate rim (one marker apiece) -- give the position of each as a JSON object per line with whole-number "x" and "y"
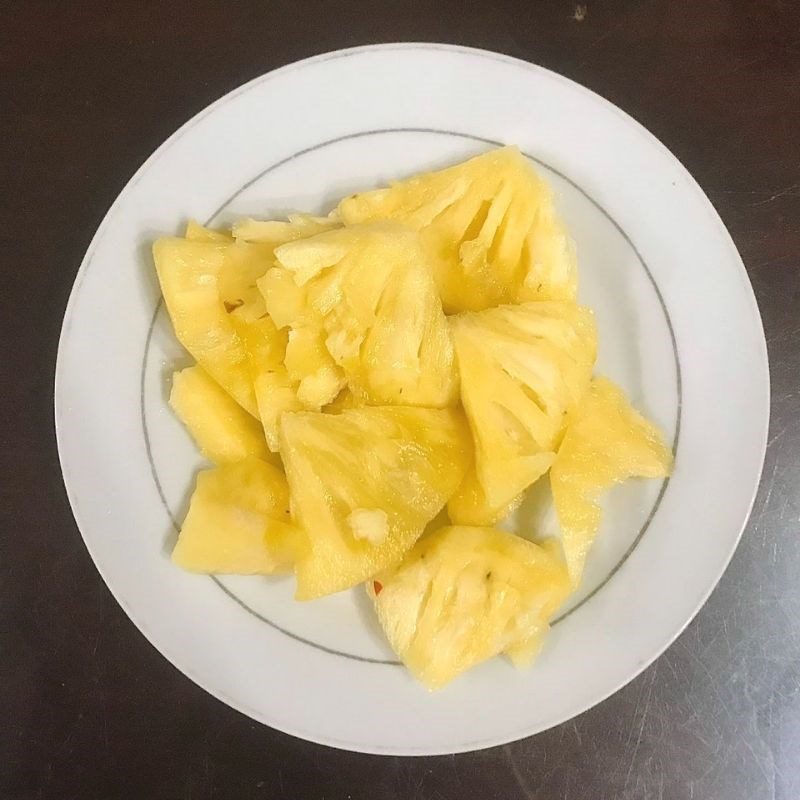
{"x": 483, "y": 140}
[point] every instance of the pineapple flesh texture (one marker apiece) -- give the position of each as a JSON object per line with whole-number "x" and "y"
{"x": 209, "y": 285}
{"x": 523, "y": 369}
{"x": 203, "y": 282}
{"x": 298, "y": 226}
{"x": 238, "y": 522}
{"x": 370, "y": 292}
{"x": 491, "y": 226}
{"x": 265, "y": 346}
{"x": 291, "y": 369}
{"x": 606, "y": 442}
{"x": 470, "y": 505}
{"x": 221, "y": 428}
{"x": 364, "y": 484}
{"x": 465, "y": 594}
{"x": 199, "y": 233}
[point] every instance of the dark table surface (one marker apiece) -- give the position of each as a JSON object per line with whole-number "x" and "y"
{"x": 89, "y": 709}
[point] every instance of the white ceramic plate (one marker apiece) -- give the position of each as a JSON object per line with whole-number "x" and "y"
{"x": 679, "y": 329}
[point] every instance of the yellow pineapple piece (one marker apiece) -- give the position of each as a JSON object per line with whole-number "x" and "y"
{"x": 277, "y": 394}
{"x": 370, "y": 289}
{"x": 209, "y": 276}
{"x": 491, "y": 225}
{"x": 199, "y": 233}
{"x": 606, "y": 442}
{"x": 291, "y": 370}
{"x": 222, "y": 429}
{"x": 465, "y": 594}
{"x": 238, "y": 522}
{"x": 364, "y": 483}
{"x": 202, "y": 283}
{"x": 275, "y": 391}
{"x": 523, "y": 369}
{"x": 319, "y": 379}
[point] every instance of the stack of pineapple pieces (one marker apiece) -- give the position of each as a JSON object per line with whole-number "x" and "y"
{"x": 420, "y": 348}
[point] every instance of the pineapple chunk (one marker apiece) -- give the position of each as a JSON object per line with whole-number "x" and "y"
{"x": 265, "y": 346}
{"x": 347, "y": 471}
{"x": 606, "y": 442}
{"x": 202, "y": 282}
{"x": 491, "y": 226}
{"x": 370, "y": 290}
{"x": 319, "y": 379}
{"x": 222, "y": 429}
{"x": 463, "y": 595}
{"x": 523, "y": 368}
{"x": 291, "y": 371}
{"x": 209, "y": 277}
{"x": 198, "y": 233}
{"x": 238, "y": 522}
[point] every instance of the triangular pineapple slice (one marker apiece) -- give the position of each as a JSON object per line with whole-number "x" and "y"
{"x": 238, "y": 522}
{"x": 370, "y": 289}
{"x": 606, "y": 442}
{"x": 202, "y": 283}
{"x": 221, "y": 428}
{"x": 491, "y": 225}
{"x": 364, "y": 484}
{"x": 523, "y": 368}
{"x": 463, "y": 595}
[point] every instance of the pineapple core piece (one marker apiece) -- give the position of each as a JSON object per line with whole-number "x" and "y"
{"x": 371, "y": 524}
{"x": 463, "y": 595}
{"x": 606, "y": 442}
{"x": 523, "y": 369}
{"x": 364, "y": 484}
{"x": 491, "y": 226}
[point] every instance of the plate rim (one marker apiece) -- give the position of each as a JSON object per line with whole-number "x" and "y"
{"x": 735, "y": 256}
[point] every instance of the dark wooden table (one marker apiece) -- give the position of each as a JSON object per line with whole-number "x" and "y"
{"x": 88, "y": 708}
